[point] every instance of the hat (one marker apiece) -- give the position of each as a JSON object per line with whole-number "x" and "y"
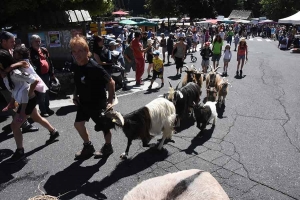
{"x": 156, "y": 53}
{"x": 118, "y": 40}
{"x": 162, "y": 34}
{"x": 207, "y": 43}
{"x": 171, "y": 33}
{"x": 243, "y": 39}
{"x": 112, "y": 43}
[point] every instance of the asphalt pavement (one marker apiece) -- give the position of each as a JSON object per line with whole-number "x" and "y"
{"x": 254, "y": 150}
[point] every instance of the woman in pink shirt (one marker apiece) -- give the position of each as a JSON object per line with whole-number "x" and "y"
{"x": 242, "y": 52}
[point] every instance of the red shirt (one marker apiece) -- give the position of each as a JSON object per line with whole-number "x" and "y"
{"x": 44, "y": 63}
{"x": 136, "y": 46}
{"x": 242, "y": 50}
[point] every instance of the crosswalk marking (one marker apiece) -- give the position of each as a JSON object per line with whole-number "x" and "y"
{"x": 259, "y": 40}
{"x": 119, "y": 93}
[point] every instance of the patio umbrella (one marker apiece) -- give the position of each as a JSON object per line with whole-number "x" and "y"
{"x": 146, "y": 23}
{"x": 128, "y": 22}
{"x": 213, "y": 21}
{"x": 120, "y": 12}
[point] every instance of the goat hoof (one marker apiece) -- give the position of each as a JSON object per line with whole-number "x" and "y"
{"x": 123, "y": 156}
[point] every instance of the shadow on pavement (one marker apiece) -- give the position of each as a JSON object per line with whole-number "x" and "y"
{"x": 174, "y": 78}
{"x": 6, "y": 171}
{"x": 74, "y": 179}
{"x": 200, "y": 139}
{"x": 66, "y": 110}
{"x": 185, "y": 124}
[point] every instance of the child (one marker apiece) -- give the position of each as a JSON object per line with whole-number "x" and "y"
{"x": 236, "y": 40}
{"x": 227, "y": 58}
{"x": 206, "y": 52}
{"x": 150, "y": 56}
{"x": 158, "y": 69}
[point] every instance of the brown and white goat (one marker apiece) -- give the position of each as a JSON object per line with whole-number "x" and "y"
{"x": 193, "y": 184}
{"x": 212, "y": 78}
{"x": 198, "y": 78}
{"x": 211, "y": 94}
{"x": 189, "y": 77}
{"x": 222, "y": 91}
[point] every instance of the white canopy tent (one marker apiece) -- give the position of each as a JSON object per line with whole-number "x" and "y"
{"x": 293, "y": 19}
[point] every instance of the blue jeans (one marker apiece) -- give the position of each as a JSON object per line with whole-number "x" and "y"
{"x": 43, "y": 98}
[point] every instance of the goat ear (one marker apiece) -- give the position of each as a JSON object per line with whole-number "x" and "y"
{"x": 180, "y": 94}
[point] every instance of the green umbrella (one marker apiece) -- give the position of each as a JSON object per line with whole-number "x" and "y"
{"x": 146, "y": 23}
{"x": 127, "y": 22}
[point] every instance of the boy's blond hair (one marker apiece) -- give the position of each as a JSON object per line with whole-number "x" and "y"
{"x": 80, "y": 41}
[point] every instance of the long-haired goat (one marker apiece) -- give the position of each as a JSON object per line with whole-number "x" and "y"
{"x": 213, "y": 78}
{"x": 193, "y": 184}
{"x": 198, "y": 78}
{"x": 184, "y": 99}
{"x": 203, "y": 114}
{"x": 189, "y": 77}
{"x": 222, "y": 91}
{"x": 211, "y": 94}
{"x": 157, "y": 116}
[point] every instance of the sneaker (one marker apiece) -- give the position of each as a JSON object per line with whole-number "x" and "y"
{"x": 87, "y": 151}
{"x": 105, "y": 151}
{"x": 29, "y": 128}
{"x": 53, "y": 136}
{"x": 44, "y": 114}
{"x": 50, "y": 112}
{"x": 17, "y": 156}
{"x": 237, "y": 73}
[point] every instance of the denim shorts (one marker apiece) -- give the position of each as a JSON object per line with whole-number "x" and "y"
{"x": 216, "y": 57}
{"x": 241, "y": 57}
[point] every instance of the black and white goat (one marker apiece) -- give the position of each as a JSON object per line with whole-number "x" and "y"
{"x": 157, "y": 116}
{"x": 193, "y": 184}
{"x": 189, "y": 77}
{"x": 203, "y": 114}
{"x": 184, "y": 99}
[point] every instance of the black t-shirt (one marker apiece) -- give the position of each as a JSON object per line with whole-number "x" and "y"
{"x": 90, "y": 81}
{"x": 6, "y": 60}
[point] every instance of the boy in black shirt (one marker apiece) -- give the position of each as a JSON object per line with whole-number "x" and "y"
{"x": 205, "y": 53}
{"x": 90, "y": 97}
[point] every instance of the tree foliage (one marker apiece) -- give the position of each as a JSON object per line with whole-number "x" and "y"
{"x": 163, "y": 8}
{"x": 276, "y": 9}
{"x": 10, "y": 8}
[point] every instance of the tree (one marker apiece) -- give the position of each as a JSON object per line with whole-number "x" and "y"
{"x": 276, "y": 9}
{"x": 163, "y": 8}
{"x": 11, "y": 8}
{"x": 198, "y": 8}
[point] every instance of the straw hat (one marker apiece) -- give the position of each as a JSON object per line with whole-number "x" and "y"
{"x": 243, "y": 39}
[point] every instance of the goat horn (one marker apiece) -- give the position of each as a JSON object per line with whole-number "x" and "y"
{"x": 177, "y": 86}
{"x": 116, "y": 101}
{"x": 170, "y": 84}
{"x": 186, "y": 67}
{"x": 217, "y": 69}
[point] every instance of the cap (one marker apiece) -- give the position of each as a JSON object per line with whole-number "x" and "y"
{"x": 156, "y": 53}
{"x": 118, "y": 40}
{"x": 162, "y": 34}
{"x": 112, "y": 43}
{"x": 207, "y": 43}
